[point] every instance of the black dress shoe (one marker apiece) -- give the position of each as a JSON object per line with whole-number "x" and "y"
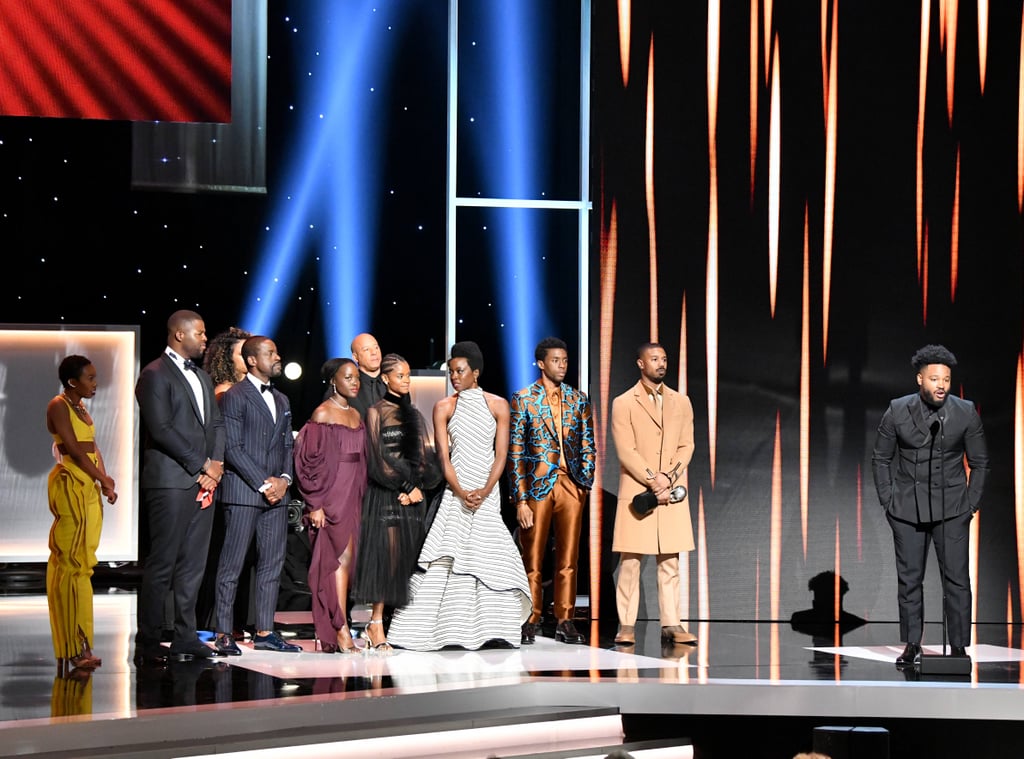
{"x": 152, "y": 654}
{"x": 957, "y": 651}
{"x": 529, "y": 633}
{"x": 911, "y": 655}
{"x": 192, "y": 649}
{"x": 567, "y": 633}
{"x": 226, "y": 645}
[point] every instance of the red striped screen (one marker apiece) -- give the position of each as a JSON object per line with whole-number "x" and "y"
{"x": 136, "y": 60}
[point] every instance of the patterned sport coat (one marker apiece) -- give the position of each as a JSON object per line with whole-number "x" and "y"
{"x": 534, "y": 447}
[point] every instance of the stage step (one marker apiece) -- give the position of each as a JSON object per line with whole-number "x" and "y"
{"x": 674, "y": 748}
{"x": 523, "y": 732}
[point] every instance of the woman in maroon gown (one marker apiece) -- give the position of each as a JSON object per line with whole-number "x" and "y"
{"x": 330, "y": 471}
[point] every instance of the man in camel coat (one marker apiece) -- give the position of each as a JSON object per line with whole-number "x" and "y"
{"x": 652, "y": 428}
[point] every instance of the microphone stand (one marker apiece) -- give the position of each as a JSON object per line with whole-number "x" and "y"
{"x": 945, "y": 663}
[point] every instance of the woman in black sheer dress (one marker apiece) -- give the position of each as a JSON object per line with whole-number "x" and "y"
{"x": 402, "y": 467}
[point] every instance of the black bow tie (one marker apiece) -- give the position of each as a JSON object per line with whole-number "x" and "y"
{"x": 190, "y": 364}
{"x": 264, "y": 388}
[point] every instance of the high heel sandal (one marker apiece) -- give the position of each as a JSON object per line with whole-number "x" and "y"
{"x": 383, "y": 647}
{"x": 85, "y": 660}
{"x": 341, "y": 648}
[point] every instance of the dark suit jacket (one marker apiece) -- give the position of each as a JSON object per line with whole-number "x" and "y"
{"x": 257, "y": 447}
{"x": 907, "y": 486}
{"x": 177, "y": 442}
{"x": 534, "y": 446}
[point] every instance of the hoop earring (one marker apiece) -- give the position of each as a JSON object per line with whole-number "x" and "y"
{"x": 72, "y": 385}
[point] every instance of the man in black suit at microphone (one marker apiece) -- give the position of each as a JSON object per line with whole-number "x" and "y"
{"x": 918, "y": 466}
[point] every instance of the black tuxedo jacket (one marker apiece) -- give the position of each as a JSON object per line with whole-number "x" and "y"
{"x": 918, "y": 464}
{"x": 178, "y": 441}
{"x": 256, "y": 446}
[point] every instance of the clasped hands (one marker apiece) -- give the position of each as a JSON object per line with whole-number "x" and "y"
{"x": 414, "y": 496}
{"x": 210, "y": 475}
{"x": 474, "y": 499}
{"x": 661, "y": 486}
{"x": 276, "y": 487}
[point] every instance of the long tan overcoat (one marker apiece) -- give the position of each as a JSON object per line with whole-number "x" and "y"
{"x": 646, "y": 438}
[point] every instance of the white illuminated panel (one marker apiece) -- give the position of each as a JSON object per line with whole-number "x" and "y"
{"x": 29, "y": 357}
{"x": 428, "y": 387}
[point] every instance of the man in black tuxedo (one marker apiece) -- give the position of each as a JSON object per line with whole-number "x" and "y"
{"x": 918, "y": 466}
{"x": 258, "y": 455}
{"x": 182, "y": 465}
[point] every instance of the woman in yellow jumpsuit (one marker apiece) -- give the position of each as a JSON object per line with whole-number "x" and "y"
{"x": 74, "y": 488}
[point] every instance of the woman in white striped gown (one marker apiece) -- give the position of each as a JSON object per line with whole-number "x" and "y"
{"x": 470, "y": 589}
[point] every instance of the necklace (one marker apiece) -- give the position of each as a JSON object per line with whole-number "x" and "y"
{"x": 338, "y": 404}
{"x": 76, "y": 406}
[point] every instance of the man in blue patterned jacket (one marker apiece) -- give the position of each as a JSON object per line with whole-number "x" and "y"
{"x": 551, "y": 471}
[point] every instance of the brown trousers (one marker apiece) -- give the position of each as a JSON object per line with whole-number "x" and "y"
{"x": 563, "y": 506}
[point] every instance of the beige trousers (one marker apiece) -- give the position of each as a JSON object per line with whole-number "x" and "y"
{"x": 627, "y": 589}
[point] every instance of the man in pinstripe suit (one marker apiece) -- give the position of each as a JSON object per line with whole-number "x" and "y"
{"x": 258, "y": 472}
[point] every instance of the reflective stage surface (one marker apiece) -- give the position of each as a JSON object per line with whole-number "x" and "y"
{"x": 741, "y": 678}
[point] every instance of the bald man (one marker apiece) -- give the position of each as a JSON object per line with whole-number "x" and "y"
{"x": 366, "y": 353}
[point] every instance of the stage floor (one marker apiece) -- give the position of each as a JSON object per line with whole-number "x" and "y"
{"x": 737, "y": 670}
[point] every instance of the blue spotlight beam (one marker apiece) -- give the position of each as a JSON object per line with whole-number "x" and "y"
{"x": 334, "y": 176}
{"x": 516, "y": 79}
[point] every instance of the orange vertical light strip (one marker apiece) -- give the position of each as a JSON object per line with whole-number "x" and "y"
{"x": 711, "y": 327}
{"x": 774, "y": 173}
{"x": 921, "y": 96}
{"x": 1009, "y": 615}
{"x": 824, "y": 56}
{"x": 711, "y": 299}
{"x": 774, "y": 657}
{"x": 625, "y": 30}
{"x": 950, "y": 23}
{"x": 954, "y": 241}
{"x": 1018, "y": 478}
{"x": 703, "y": 598}
{"x": 924, "y": 277}
{"x": 775, "y": 558}
{"x": 1020, "y": 121}
{"x": 754, "y": 92}
{"x": 652, "y": 237}
{"x": 766, "y": 20}
{"x": 942, "y": 22}
{"x": 982, "y": 42}
{"x": 609, "y": 265}
{"x": 714, "y": 33}
{"x": 805, "y": 384}
{"x": 831, "y": 128}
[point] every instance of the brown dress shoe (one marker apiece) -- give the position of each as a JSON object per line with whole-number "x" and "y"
{"x": 625, "y": 636}
{"x": 677, "y": 634}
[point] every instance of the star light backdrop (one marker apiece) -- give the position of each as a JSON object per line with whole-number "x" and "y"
{"x": 792, "y": 198}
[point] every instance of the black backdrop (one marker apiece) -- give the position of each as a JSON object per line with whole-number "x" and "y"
{"x": 880, "y": 311}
